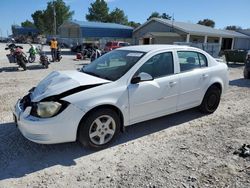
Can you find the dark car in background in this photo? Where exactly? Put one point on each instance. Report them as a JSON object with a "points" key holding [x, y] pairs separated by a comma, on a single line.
{"points": [[247, 66]]}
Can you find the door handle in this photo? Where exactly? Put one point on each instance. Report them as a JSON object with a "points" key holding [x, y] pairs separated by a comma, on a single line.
{"points": [[171, 84]]}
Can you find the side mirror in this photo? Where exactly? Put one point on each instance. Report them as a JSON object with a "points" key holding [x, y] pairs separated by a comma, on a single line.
{"points": [[142, 77]]}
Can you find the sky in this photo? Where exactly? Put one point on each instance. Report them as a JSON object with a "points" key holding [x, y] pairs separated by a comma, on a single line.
{"points": [[223, 12]]}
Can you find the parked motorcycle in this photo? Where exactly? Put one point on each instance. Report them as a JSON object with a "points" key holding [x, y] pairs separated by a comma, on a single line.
{"points": [[32, 52], [58, 54], [17, 55], [44, 60]]}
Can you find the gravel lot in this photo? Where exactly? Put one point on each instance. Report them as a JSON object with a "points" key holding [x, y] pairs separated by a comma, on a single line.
{"points": [[186, 149]]}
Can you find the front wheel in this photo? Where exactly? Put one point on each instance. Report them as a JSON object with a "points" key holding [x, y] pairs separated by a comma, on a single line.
{"points": [[99, 129], [211, 100], [32, 58]]}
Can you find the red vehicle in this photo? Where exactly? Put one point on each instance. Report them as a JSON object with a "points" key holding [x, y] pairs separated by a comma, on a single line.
{"points": [[114, 44]]}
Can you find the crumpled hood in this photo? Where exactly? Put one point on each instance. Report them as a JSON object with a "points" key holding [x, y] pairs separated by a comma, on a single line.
{"points": [[59, 82]]}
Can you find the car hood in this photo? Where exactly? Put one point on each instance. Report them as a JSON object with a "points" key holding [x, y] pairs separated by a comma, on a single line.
{"points": [[63, 83]]}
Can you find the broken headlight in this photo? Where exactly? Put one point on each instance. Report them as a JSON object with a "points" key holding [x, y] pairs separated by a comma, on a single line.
{"points": [[48, 109]]}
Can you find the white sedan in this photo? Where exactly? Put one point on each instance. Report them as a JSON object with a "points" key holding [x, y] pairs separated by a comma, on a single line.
{"points": [[121, 88]]}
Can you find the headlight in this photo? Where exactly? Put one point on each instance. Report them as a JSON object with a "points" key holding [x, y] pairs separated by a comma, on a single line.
{"points": [[47, 109]]}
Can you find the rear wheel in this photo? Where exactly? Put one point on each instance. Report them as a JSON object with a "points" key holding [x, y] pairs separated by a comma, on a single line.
{"points": [[211, 100], [46, 64], [99, 129]]}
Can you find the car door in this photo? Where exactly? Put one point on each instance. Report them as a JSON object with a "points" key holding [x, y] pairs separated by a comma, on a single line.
{"points": [[151, 99], [194, 78]]}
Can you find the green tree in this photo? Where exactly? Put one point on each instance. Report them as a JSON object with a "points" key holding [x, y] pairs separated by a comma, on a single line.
{"points": [[154, 15], [118, 16], [98, 11], [39, 21], [44, 20], [233, 27], [207, 22], [166, 16], [133, 24], [28, 23], [158, 15]]}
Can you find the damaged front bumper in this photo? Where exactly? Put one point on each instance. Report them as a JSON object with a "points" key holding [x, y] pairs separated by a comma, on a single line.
{"points": [[58, 129]]}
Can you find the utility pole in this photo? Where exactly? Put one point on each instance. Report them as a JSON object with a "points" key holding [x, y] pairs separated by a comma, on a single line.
{"points": [[54, 13]]}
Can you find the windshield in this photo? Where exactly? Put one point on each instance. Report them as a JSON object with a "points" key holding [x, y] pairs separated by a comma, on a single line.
{"points": [[113, 65]]}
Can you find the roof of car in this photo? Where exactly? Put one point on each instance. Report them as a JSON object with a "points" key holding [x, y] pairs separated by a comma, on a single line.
{"points": [[148, 48]]}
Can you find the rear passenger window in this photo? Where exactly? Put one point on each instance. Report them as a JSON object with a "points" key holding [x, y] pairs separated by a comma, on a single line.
{"points": [[203, 60], [191, 60]]}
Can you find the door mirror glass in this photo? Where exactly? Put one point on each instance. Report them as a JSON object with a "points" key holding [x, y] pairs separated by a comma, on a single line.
{"points": [[142, 77]]}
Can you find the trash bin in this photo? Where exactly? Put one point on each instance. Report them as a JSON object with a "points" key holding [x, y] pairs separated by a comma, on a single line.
{"points": [[235, 56]]}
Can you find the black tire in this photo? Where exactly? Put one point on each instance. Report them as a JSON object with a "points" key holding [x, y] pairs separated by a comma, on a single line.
{"points": [[88, 125], [31, 59], [23, 65], [246, 74], [211, 100], [46, 64]]}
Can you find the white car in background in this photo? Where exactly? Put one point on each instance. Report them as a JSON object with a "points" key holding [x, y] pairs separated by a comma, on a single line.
{"points": [[121, 88]]}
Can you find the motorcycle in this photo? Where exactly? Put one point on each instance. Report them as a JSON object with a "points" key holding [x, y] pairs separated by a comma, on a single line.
{"points": [[58, 54], [96, 53], [44, 60], [32, 52], [17, 55]]}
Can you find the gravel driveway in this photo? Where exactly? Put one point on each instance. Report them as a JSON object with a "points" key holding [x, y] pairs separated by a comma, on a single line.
{"points": [[187, 149]]}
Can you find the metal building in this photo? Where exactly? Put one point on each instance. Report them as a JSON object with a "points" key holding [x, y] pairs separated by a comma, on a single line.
{"points": [[82, 31], [26, 31]]}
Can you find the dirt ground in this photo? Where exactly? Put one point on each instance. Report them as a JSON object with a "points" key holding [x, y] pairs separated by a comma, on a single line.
{"points": [[187, 149]]}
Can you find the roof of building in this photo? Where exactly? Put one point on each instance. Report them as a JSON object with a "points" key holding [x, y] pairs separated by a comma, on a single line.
{"points": [[99, 29], [100, 25], [245, 31], [195, 29], [163, 34], [19, 30]]}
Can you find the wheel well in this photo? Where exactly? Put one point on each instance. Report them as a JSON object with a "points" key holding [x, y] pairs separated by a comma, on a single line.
{"points": [[218, 85], [117, 110]]}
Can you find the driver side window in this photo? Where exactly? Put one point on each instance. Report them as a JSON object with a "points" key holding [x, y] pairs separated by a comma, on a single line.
{"points": [[159, 65]]}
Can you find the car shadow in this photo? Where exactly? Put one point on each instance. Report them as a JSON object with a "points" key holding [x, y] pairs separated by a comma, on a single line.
{"points": [[10, 69], [35, 67], [30, 66], [240, 82], [19, 156]]}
